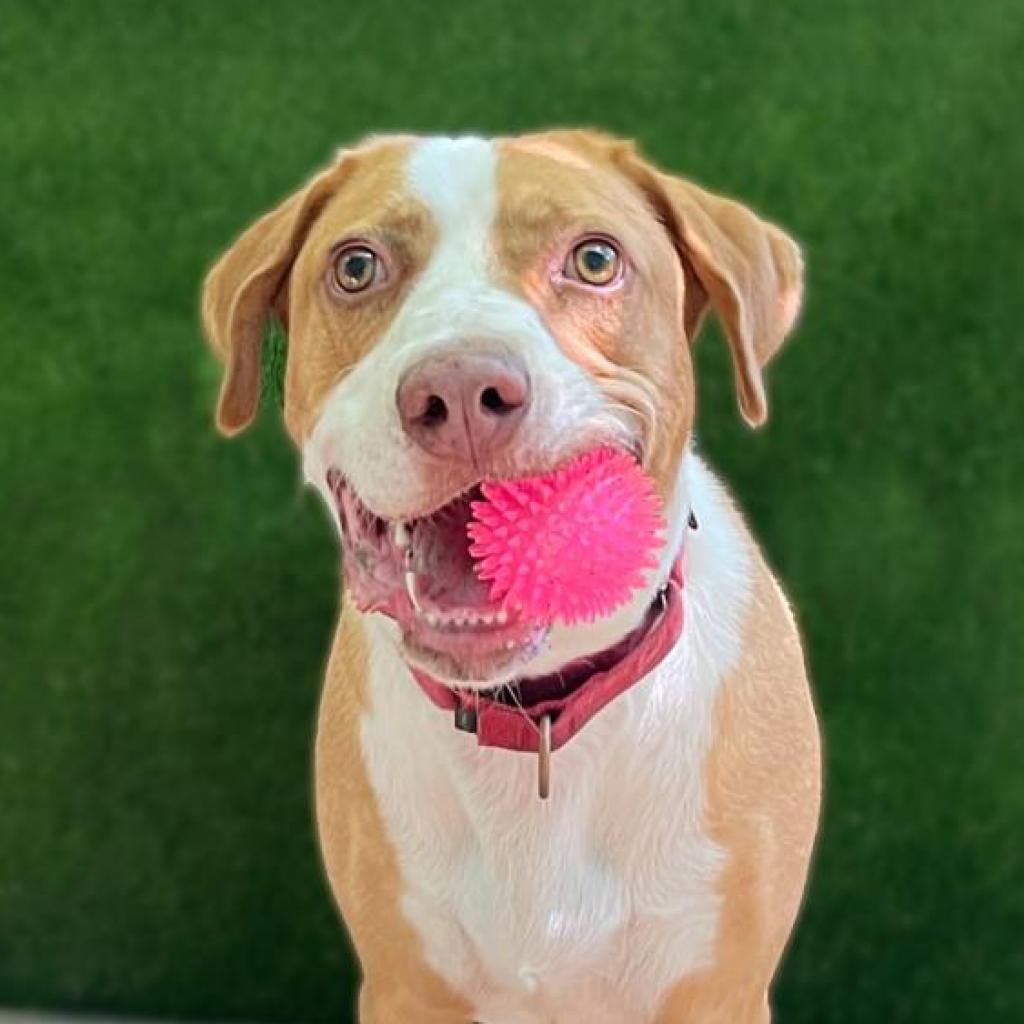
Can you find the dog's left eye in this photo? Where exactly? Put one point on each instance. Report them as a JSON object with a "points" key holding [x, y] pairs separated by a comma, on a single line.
{"points": [[355, 268], [595, 261]]}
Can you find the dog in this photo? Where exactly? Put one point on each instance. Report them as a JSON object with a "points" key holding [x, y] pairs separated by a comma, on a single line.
{"points": [[463, 309]]}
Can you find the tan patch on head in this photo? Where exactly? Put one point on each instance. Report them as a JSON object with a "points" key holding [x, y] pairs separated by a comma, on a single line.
{"points": [[545, 146], [628, 337], [329, 334], [749, 271]]}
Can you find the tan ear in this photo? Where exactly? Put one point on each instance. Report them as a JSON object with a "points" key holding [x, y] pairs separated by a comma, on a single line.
{"points": [[247, 282], [750, 271]]}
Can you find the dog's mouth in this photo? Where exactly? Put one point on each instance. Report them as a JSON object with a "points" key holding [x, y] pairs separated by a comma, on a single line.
{"points": [[421, 574]]}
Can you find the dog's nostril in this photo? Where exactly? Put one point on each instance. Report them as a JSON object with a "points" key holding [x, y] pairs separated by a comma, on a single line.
{"points": [[492, 401], [435, 413]]}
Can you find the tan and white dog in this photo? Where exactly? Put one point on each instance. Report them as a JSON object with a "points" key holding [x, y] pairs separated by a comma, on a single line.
{"points": [[466, 308]]}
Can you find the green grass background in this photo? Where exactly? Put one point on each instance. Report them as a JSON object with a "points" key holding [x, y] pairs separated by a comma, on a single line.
{"points": [[167, 598]]}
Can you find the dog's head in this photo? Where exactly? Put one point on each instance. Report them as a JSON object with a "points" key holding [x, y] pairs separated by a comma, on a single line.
{"points": [[461, 308]]}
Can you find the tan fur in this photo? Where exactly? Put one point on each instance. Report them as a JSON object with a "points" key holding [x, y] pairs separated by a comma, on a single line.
{"points": [[628, 338], [763, 790], [359, 859], [762, 773], [749, 270]]}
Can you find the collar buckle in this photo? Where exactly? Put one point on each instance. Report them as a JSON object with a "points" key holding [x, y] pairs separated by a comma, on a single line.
{"points": [[465, 718]]}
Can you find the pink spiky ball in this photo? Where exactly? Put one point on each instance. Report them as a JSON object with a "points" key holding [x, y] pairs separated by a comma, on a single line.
{"points": [[572, 544]]}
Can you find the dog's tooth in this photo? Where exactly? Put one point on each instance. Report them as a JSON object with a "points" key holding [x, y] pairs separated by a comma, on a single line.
{"points": [[400, 535], [409, 577], [502, 617], [432, 620], [485, 619], [510, 645]]}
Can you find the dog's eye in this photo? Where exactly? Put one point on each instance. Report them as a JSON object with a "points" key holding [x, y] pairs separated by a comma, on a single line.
{"points": [[596, 262], [355, 268]]}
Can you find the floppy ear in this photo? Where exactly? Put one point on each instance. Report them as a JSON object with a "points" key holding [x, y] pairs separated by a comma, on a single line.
{"points": [[750, 271], [249, 281]]}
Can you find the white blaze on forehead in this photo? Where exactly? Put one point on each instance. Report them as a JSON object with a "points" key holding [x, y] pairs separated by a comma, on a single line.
{"points": [[456, 179]]}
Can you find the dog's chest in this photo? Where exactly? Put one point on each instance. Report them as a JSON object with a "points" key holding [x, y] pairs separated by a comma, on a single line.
{"points": [[584, 907]]}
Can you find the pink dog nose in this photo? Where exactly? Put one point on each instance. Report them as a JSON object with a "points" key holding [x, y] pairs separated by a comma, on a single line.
{"points": [[463, 405]]}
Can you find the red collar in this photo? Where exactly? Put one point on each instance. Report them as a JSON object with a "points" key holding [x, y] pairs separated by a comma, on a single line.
{"points": [[498, 724]]}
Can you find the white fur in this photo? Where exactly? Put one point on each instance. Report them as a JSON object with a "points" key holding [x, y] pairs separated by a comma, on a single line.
{"points": [[457, 180], [586, 907]]}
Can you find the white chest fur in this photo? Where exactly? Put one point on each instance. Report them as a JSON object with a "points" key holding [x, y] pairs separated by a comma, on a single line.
{"points": [[587, 906]]}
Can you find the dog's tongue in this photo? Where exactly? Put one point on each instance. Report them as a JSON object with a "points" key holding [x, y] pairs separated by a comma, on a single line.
{"points": [[443, 564]]}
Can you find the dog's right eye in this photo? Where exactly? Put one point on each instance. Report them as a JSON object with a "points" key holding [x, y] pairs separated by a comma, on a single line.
{"points": [[355, 268]]}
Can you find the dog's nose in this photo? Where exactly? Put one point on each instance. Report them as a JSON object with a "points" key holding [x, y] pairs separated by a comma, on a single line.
{"points": [[463, 405]]}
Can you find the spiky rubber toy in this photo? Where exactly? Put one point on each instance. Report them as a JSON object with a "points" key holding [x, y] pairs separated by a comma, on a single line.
{"points": [[570, 545]]}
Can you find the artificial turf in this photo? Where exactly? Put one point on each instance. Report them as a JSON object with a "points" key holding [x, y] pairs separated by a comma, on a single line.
{"points": [[167, 598]]}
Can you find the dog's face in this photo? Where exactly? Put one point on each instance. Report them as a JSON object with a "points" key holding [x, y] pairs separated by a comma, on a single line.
{"points": [[463, 309]]}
